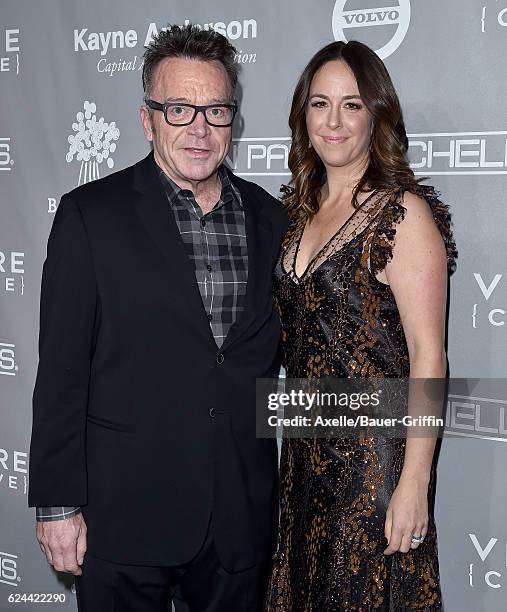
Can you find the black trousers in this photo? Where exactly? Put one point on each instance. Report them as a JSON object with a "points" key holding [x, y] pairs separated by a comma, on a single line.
{"points": [[201, 585]]}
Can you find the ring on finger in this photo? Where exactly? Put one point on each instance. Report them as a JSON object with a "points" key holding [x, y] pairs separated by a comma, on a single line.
{"points": [[417, 539]]}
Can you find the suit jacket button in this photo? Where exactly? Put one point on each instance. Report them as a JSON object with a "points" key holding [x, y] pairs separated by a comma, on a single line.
{"points": [[220, 358]]}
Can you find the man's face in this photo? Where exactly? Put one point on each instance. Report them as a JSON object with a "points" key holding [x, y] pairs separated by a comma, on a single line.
{"points": [[191, 153]]}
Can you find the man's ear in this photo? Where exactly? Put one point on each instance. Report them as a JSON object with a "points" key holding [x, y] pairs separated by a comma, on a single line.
{"points": [[146, 122]]}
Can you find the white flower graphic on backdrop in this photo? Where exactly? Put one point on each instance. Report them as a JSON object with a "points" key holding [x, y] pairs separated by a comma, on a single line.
{"points": [[92, 143]]}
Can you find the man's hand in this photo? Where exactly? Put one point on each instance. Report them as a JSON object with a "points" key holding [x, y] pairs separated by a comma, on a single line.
{"points": [[64, 543]]}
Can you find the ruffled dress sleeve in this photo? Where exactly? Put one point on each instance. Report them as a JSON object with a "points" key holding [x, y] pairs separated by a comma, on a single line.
{"points": [[394, 212]]}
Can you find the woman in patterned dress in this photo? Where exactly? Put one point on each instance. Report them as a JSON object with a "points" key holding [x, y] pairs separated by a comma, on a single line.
{"points": [[361, 289]]}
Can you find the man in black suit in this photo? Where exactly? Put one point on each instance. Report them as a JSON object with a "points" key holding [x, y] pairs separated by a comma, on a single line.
{"points": [[156, 320]]}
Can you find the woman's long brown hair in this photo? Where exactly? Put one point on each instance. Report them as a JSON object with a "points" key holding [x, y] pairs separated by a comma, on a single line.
{"points": [[388, 167]]}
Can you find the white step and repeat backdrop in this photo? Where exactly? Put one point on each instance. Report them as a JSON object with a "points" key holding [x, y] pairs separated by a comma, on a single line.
{"points": [[63, 62]]}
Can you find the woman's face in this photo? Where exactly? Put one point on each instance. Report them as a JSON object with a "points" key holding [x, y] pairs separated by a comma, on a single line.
{"points": [[338, 122]]}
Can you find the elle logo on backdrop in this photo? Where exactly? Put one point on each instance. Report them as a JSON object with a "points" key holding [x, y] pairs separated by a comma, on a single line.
{"points": [[470, 416]]}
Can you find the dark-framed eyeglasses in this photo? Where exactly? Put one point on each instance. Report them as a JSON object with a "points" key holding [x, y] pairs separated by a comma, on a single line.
{"points": [[178, 114]]}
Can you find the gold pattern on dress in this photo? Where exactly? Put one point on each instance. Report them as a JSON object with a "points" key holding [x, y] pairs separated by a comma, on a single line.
{"points": [[339, 320]]}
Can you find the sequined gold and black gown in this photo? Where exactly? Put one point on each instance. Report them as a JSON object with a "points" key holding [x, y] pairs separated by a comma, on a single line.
{"points": [[339, 320]]}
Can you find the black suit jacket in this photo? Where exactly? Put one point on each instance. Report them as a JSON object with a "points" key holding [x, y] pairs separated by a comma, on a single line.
{"points": [[129, 372]]}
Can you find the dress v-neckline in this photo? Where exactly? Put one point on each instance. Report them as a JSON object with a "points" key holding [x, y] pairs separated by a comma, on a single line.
{"points": [[292, 270]]}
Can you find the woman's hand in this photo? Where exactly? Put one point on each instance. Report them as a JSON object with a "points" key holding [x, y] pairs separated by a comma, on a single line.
{"points": [[407, 514]]}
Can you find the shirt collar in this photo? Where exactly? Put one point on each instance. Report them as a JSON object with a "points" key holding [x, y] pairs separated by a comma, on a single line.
{"points": [[226, 196]]}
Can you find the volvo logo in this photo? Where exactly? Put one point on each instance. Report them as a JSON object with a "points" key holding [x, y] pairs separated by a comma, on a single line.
{"points": [[397, 15]]}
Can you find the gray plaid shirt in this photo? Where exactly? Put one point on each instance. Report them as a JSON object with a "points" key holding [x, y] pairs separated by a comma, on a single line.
{"points": [[216, 245]]}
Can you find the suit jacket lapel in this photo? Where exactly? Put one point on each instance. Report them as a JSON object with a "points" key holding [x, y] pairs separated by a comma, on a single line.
{"points": [[158, 219], [259, 238]]}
